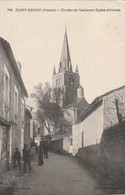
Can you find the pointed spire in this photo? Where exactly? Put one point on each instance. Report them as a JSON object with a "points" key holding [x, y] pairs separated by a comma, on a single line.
{"points": [[54, 71], [70, 67], [65, 55], [76, 70]]}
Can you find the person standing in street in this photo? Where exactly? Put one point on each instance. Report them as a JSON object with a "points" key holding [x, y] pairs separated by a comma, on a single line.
{"points": [[40, 155], [16, 158], [26, 158], [46, 150]]}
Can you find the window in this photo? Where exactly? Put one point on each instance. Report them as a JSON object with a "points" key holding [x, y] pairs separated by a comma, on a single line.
{"points": [[16, 103], [6, 92], [71, 141], [22, 114], [82, 139], [71, 81]]}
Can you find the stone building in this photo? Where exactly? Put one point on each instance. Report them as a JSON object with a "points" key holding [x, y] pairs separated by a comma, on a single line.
{"points": [[12, 103], [105, 112]]}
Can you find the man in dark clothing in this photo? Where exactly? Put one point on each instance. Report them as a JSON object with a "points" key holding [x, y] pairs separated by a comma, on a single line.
{"points": [[26, 158], [46, 150], [40, 155], [16, 158]]}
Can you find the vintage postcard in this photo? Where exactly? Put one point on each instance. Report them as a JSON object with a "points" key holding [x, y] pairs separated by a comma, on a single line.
{"points": [[62, 97]]}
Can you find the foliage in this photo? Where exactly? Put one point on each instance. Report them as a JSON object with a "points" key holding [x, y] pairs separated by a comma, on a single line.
{"points": [[57, 92], [49, 111]]}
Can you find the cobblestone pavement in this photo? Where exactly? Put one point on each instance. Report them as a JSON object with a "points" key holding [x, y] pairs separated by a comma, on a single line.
{"points": [[60, 175]]}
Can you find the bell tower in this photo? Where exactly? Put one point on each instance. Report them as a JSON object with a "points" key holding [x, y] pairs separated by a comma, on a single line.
{"points": [[65, 79]]}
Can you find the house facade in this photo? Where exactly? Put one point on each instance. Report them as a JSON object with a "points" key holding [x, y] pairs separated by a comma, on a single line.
{"points": [[12, 102]]}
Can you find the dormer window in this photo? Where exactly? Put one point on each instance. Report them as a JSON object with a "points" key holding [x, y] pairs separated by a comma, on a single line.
{"points": [[71, 81]]}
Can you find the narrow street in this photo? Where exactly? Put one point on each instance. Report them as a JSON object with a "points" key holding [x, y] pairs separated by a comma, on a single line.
{"points": [[60, 175]]}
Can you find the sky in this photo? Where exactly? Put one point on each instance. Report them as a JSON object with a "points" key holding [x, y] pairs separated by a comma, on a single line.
{"points": [[96, 41]]}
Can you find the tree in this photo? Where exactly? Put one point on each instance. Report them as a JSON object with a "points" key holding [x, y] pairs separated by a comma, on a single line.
{"points": [[50, 111], [58, 95]]}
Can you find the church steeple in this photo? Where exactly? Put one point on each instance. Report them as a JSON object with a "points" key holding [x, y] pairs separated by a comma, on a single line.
{"points": [[65, 59], [65, 78]]}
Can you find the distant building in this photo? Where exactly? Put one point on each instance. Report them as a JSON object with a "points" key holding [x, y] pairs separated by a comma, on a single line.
{"points": [[12, 104]]}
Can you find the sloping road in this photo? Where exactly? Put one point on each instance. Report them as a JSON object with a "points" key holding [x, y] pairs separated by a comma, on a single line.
{"points": [[60, 175]]}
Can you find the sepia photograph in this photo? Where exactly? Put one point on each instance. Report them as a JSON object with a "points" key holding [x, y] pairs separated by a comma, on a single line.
{"points": [[62, 97]]}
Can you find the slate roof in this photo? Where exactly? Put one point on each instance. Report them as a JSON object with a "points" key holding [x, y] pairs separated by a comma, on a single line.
{"points": [[74, 102]]}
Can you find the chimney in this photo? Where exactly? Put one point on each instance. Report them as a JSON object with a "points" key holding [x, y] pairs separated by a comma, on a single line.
{"points": [[19, 66]]}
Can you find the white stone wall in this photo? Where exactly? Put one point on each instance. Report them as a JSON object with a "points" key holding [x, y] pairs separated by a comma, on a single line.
{"points": [[110, 113], [92, 128], [105, 116], [77, 137], [67, 144]]}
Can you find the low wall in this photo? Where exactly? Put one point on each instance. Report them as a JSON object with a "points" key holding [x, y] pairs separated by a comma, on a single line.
{"points": [[108, 157], [90, 155], [113, 149]]}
